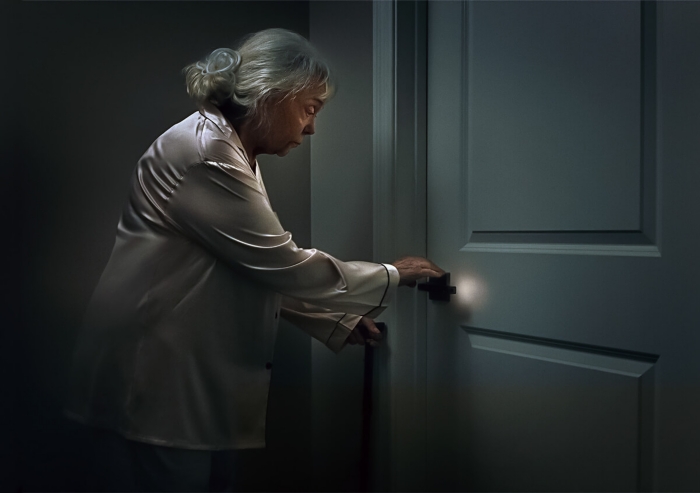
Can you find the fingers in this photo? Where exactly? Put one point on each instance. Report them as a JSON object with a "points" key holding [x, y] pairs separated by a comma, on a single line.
{"points": [[355, 337], [366, 331], [433, 272], [437, 270], [372, 329], [412, 268], [429, 269]]}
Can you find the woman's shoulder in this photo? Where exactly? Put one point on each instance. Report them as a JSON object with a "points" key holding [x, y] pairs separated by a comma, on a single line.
{"points": [[177, 146], [194, 140], [182, 129]]}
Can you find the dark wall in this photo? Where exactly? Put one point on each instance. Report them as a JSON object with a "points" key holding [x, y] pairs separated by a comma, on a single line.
{"points": [[99, 82]]}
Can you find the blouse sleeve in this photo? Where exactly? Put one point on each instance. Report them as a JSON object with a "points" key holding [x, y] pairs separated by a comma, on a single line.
{"points": [[329, 327], [223, 208]]}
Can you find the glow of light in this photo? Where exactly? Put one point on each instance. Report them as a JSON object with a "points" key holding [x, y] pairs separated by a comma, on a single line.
{"points": [[471, 292]]}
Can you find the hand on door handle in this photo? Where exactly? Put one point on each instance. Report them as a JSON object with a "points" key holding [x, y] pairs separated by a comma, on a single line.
{"points": [[412, 268], [438, 288]]}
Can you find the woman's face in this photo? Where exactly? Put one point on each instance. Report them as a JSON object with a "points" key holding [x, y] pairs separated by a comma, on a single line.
{"points": [[292, 119]]}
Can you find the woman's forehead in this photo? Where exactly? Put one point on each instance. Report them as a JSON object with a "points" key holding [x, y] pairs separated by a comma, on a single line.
{"points": [[317, 93]]}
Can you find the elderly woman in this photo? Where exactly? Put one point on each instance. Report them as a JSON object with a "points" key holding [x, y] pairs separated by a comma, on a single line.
{"points": [[176, 351]]}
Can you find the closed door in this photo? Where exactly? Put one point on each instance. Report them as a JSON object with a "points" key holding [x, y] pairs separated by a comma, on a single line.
{"points": [[563, 155]]}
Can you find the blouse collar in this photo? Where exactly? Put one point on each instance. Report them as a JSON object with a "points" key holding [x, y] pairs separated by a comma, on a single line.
{"points": [[214, 114], [211, 112]]}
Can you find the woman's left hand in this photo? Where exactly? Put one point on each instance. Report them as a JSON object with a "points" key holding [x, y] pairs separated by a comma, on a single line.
{"points": [[365, 332]]}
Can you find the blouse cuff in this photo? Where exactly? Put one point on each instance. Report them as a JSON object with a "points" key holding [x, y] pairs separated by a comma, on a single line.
{"points": [[394, 278], [392, 283], [342, 330]]}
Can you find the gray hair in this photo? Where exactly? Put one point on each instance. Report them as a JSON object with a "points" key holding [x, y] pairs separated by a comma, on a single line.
{"points": [[268, 66]]}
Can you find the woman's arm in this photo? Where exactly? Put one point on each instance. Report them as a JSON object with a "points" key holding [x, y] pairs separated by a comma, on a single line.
{"points": [[222, 207], [333, 329]]}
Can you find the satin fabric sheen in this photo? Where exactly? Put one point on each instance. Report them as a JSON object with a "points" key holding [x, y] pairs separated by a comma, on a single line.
{"points": [[177, 341]]}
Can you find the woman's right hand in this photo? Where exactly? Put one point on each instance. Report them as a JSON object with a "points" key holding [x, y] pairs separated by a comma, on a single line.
{"points": [[413, 268]]}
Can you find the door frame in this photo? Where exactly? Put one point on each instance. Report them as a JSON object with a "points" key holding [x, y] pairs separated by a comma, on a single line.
{"points": [[399, 427]]}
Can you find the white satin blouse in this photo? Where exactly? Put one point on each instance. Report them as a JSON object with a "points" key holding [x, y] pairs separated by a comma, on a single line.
{"points": [[177, 342]]}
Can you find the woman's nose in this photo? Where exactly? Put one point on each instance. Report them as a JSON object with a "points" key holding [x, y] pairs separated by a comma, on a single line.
{"points": [[310, 127]]}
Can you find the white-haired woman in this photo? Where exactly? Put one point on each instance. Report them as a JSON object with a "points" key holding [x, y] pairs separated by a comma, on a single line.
{"points": [[176, 351]]}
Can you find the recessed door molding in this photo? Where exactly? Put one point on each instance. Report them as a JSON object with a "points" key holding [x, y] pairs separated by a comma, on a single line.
{"points": [[636, 368], [645, 240]]}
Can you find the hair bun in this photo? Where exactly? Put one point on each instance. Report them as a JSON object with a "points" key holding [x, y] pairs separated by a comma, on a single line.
{"points": [[222, 60]]}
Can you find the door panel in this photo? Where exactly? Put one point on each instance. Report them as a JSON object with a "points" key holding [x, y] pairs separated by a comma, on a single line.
{"points": [[553, 415], [558, 160], [553, 122]]}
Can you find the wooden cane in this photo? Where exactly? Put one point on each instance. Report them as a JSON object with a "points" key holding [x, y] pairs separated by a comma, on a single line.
{"points": [[365, 443]]}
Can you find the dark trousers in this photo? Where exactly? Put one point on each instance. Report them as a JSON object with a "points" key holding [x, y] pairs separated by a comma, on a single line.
{"points": [[118, 464]]}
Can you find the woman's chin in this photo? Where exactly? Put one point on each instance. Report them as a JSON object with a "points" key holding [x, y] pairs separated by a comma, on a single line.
{"points": [[285, 150]]}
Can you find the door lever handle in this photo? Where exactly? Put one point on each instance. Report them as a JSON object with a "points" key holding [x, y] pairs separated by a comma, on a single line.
{"points": [[438, 288]]}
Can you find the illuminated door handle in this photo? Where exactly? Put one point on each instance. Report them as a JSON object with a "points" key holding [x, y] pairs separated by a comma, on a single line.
{"points": [[438, 288]]}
